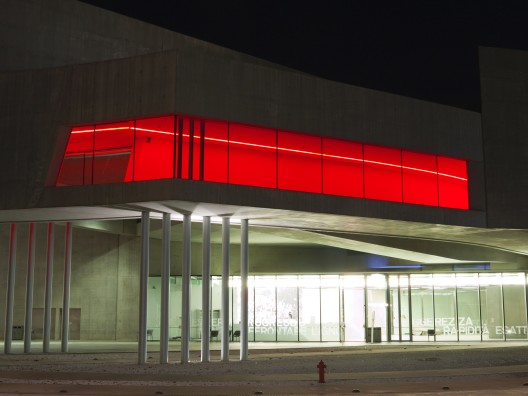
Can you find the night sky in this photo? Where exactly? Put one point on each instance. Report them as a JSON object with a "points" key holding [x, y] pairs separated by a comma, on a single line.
{"points": [[425, 49]]}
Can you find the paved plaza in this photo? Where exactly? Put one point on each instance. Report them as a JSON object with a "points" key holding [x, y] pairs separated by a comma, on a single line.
{"points": [[433, 368]]}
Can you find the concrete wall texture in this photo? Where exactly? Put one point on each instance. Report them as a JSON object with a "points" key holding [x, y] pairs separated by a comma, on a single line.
{"points": [[504, 86], [105, 274], [200, 79], [104, 281], [39, 34]]}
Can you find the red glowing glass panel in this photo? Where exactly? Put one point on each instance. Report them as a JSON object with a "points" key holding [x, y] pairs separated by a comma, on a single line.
{"points": [[215, 151], [186, 125], [189, 149], [76, 168], [196, 149], [252, 156], [383, 179], [154, 148], [113, 152], [453, 183], [420, 182], [300, 162], [342, 168]]}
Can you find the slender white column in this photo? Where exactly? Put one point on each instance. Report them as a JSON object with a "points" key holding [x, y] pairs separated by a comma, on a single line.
{"points": [[206, 288], [30, 279], [186, 290], [165, 288], [10, 298], [143, 287], [66, 289], [244, 269], [225, 289], [48, 291]]}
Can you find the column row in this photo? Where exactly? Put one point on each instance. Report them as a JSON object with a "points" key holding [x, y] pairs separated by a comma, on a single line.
{"points": [[28, 321], [186, 296]]}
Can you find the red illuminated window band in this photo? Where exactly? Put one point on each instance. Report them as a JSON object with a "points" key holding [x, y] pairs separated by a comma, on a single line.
{"points": [[241, 154], [278, 148]]}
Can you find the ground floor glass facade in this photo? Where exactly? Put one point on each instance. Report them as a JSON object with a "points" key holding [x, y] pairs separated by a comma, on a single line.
{"points": [[358, 308]]}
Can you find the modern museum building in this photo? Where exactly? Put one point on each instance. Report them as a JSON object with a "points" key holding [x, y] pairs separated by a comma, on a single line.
{"points": [[160, 189]]}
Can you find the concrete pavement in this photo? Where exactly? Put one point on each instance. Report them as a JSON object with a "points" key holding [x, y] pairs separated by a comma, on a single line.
{"points": [[480, 368]]}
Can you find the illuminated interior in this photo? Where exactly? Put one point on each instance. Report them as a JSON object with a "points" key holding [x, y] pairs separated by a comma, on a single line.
{"points": [[399, 307], [220, 151]]}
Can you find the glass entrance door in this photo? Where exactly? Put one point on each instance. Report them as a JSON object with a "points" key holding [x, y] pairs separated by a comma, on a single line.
{"points": [[352, 308], [377, 323], [399, 308]]}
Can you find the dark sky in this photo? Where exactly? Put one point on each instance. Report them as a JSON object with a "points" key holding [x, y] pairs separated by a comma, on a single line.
{"points": [[426, 49]]}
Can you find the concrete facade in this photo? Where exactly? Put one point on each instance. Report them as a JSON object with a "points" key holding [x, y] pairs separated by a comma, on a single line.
{"points": [[203, 81], [504, 86], [66, 63], [104, 283]]}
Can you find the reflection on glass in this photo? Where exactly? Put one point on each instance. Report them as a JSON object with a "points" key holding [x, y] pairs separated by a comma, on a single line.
{"points": [[377, 307], [309, 309], [353, 307], [469, 328], [196, 308], [446, 321], [265, 309], [154, 148], [287, 309], [514, 290], [491, 306], [216, 305], [251, 308], [399, 304], [405, 317], [332, 308], [113, 145], [77, 163], [422, 306], [330, 314]]}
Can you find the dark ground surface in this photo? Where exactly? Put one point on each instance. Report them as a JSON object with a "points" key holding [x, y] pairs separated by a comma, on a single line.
{"points": [[370, 369]]}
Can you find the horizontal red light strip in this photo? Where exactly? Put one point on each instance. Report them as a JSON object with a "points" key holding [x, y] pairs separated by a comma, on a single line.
{"points": [[454, 177], [101, 129], [250, 144], [153, 131]]}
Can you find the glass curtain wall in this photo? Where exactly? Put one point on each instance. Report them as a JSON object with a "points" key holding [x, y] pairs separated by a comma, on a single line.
{"points": [[491, 307], [353, 308], [377, 320], [287, 308], [265, 309], [469, 328], [445, 307], [399, 305], [358, 308], [330, 308], [309, 308], [514, 297], [193, 148], [422, 307]]}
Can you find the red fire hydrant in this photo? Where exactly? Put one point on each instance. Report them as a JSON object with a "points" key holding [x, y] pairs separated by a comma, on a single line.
{"points": [[321, 366]]}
